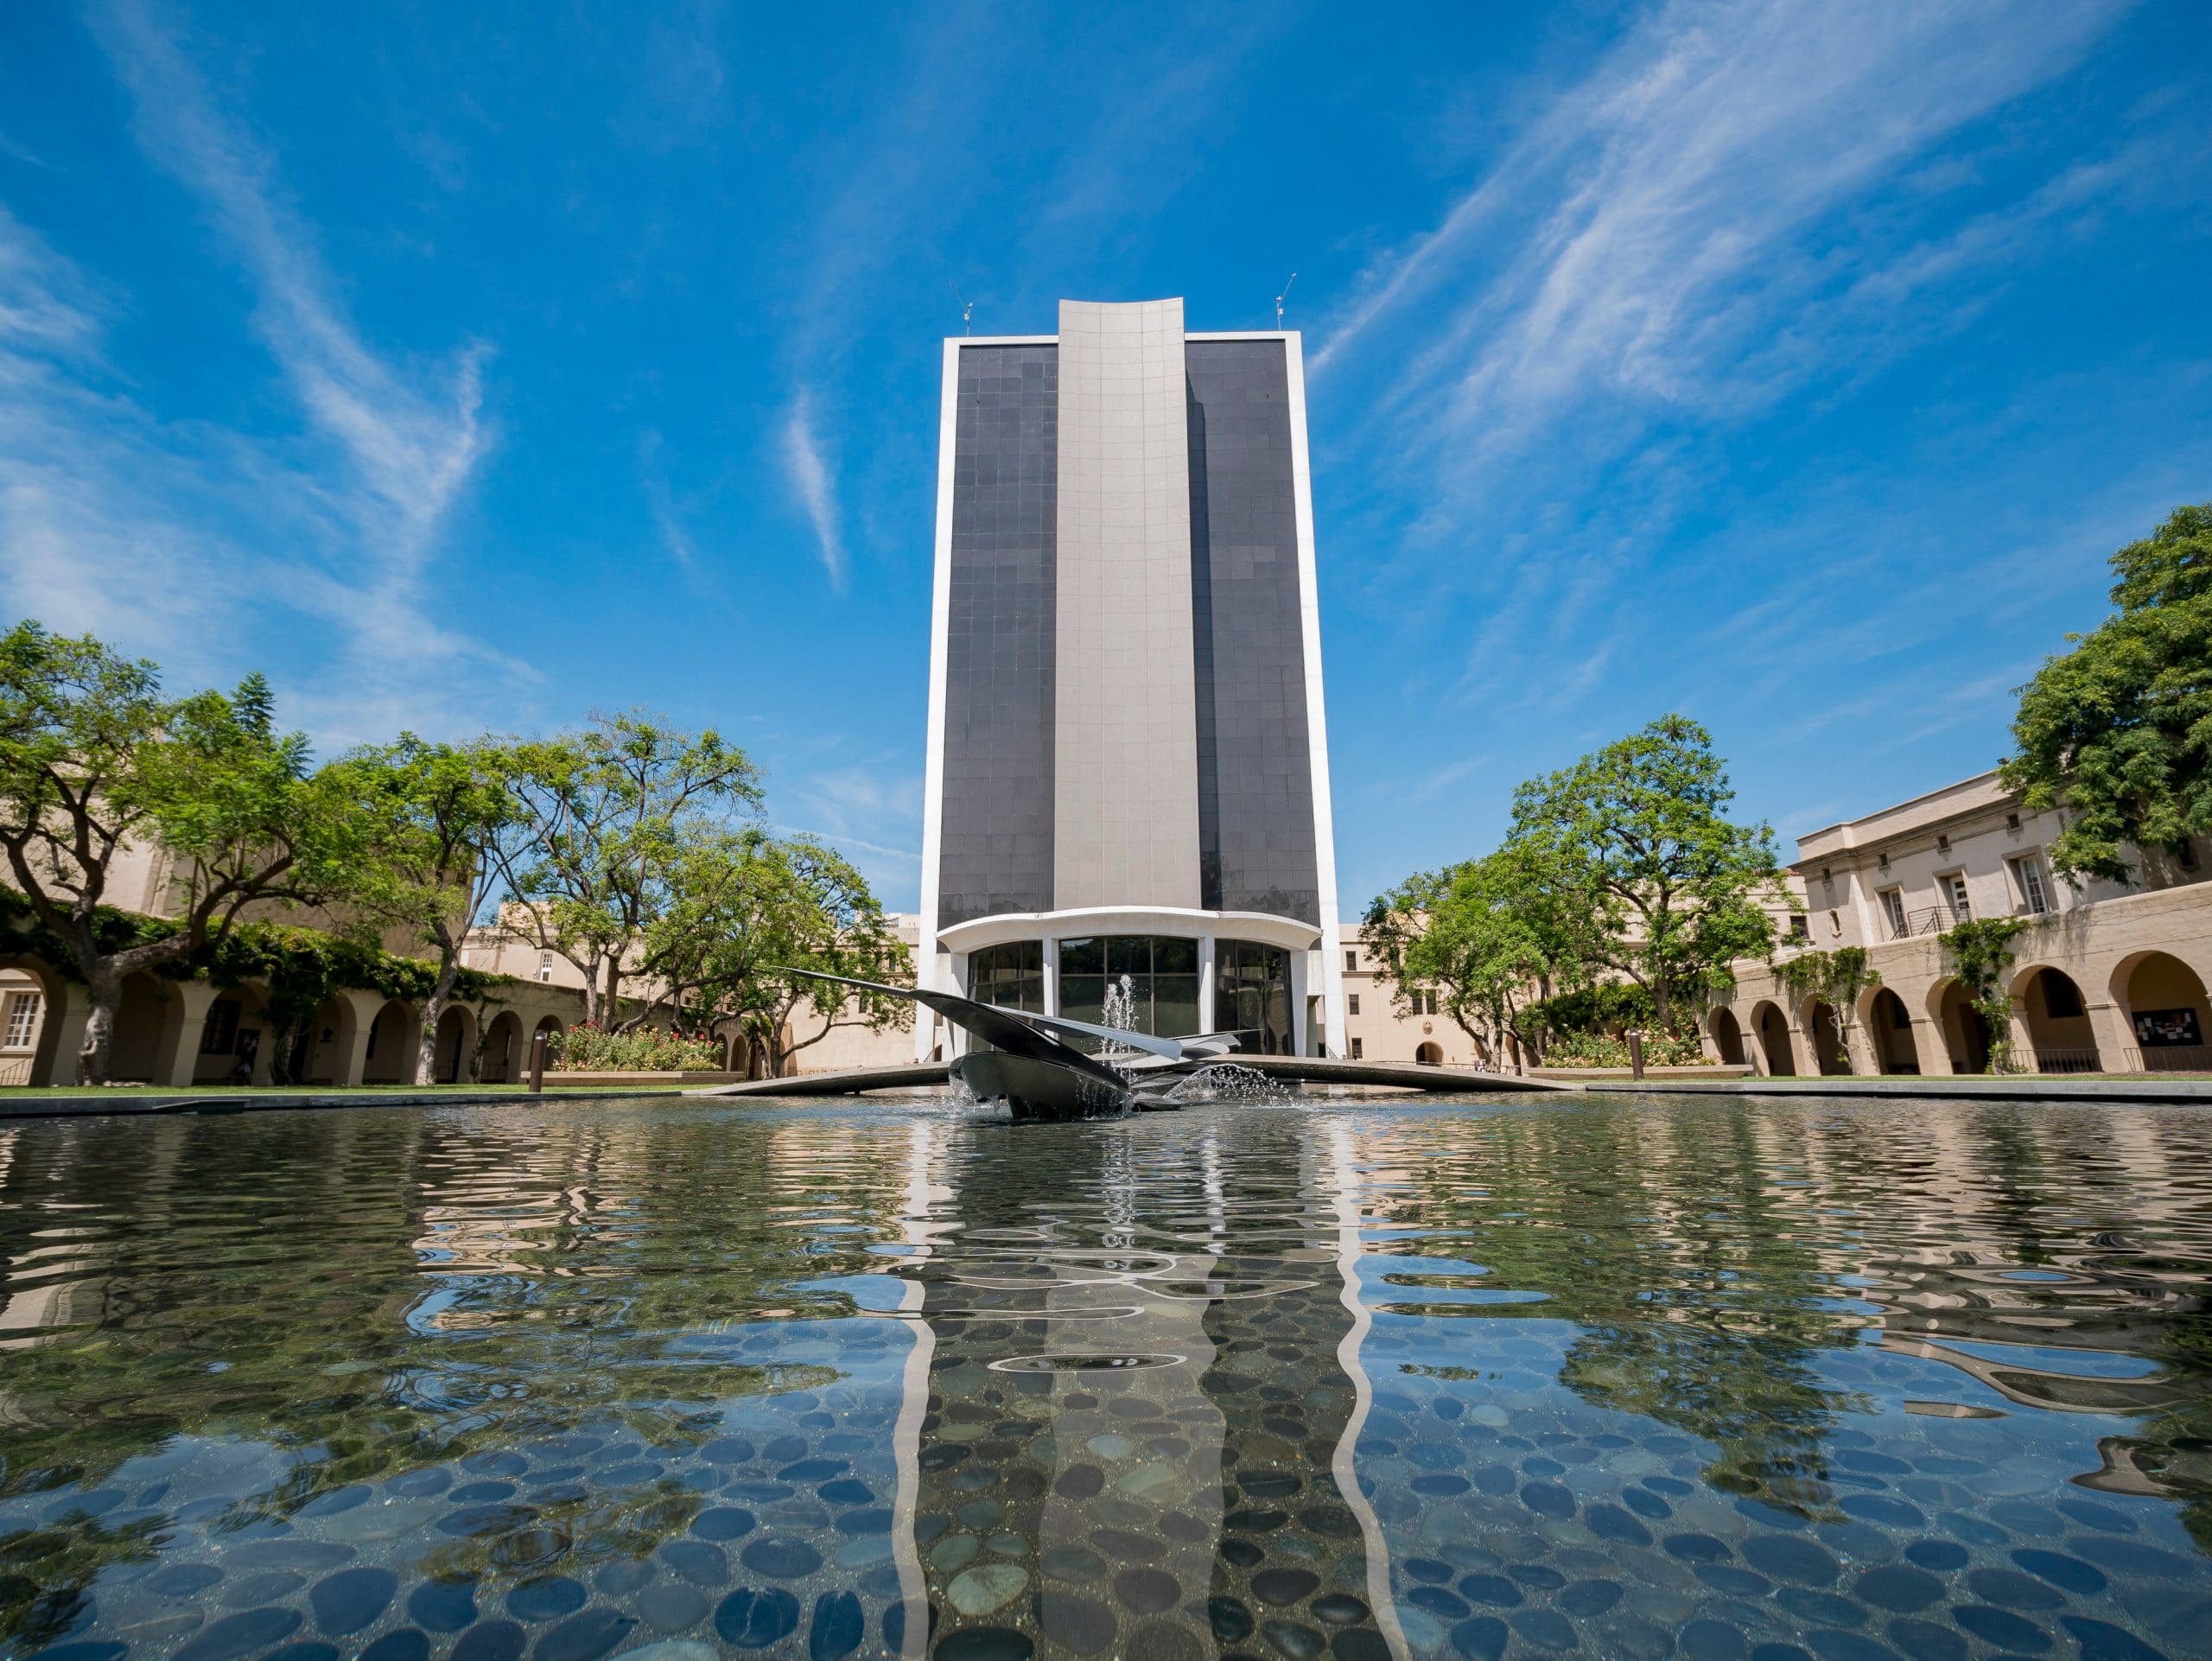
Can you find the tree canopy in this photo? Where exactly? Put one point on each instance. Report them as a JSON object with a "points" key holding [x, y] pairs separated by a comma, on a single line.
{"points": [[607, 816], [1624, 865], [1634, 845], [2118, 731], [629, 846], [435, 816], [97, 760]]}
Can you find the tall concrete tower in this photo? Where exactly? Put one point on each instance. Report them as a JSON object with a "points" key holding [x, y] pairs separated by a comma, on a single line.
{"points": [[1128, 774]]}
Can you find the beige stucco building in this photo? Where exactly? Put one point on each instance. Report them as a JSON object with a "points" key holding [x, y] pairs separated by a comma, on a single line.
{"points": [[2104, 977], [176, 1032]]}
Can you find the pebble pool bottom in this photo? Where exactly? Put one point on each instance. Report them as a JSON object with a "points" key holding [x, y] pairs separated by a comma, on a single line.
{"points": [[1730, 1379]]}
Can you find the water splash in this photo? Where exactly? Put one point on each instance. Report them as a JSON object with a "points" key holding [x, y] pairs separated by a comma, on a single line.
{"points": [[1227, 1081]]}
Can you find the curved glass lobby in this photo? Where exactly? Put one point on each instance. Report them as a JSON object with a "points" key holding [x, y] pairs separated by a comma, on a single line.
{"points": [[1172, 985]]}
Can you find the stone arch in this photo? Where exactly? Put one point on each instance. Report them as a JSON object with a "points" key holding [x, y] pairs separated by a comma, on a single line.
{"points": [[1771, 1028], [2163, 999], [1887, 1024], [40, 1061], [456, 1037], [232, 1044], [2055, 1012], [148, 1022], [503, 1049], [1727, 1035], [549, 1026], [393, 1036], [1823, 1035], [1428, 1055], [328, 1044], [1959, 1025]]}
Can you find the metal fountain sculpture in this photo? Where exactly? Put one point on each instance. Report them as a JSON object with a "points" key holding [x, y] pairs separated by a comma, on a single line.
{"points": [[1034, 1068]]}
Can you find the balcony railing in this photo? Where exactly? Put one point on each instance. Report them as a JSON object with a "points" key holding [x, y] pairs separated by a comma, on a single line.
{"points": [[1932, 920]]}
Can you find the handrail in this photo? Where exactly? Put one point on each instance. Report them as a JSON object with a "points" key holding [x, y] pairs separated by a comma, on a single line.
{"points": [[1929, 919]]}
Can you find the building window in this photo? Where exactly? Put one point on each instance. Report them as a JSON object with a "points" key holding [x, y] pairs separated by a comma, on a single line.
{"points": [[545, 966], [23, 1019], [1351, 1003], [1009, 976], [1424, 1003], [1893, 908], [1954, 890], [1352, 962], [1251, 996], [1156, 977], [1799, 929], [1835, 922], [1358, 1050], [221, 1035], [2185, 853], [2033, 899]]}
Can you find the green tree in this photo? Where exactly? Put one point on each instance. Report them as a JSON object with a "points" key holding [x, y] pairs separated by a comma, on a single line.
{"points": [[753, 914], [1477, 934], [437, 814], [98, 766], [2119, 730], [605, 815], [1634, 845]]}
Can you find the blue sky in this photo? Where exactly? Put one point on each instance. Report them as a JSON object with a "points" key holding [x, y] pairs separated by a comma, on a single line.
{"points": [[1792, 365]]}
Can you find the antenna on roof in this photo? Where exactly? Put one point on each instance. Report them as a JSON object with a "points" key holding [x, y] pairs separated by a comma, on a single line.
{"points": [[967, 307], [1279, 299]]}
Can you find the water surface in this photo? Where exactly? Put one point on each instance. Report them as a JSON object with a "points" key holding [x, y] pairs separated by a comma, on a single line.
{"points": [[1737, 1380]]}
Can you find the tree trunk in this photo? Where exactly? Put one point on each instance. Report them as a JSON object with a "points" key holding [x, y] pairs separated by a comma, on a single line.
{"points": [[610, 999], [104, 987], [434, 1009]]}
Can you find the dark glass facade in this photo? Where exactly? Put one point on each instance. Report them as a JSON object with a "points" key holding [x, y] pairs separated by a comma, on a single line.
{"points": [[1251, 996], [1257, 845], [1162, 972], [995, 852], [1256, 780], [1010, 977]]}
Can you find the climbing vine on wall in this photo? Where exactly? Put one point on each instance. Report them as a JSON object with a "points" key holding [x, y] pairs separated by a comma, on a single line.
{"points": [[300, 966], [1979, 951], [1837, 979]]}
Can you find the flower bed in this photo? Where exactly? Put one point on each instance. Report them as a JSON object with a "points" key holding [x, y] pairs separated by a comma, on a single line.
{"points": [[643, 1049], [1604, 1050]]}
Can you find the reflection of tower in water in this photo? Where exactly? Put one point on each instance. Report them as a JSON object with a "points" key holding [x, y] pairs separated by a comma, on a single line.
{"points": [[1126, 1447]]}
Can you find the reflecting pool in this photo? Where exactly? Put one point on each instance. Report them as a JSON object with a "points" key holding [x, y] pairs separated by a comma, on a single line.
{"points": [[1735, 1380]]}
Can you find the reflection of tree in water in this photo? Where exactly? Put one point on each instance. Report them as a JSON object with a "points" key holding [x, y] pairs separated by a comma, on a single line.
{"points": [[1698, 1303], [370, 1294], [1710, 1255]]}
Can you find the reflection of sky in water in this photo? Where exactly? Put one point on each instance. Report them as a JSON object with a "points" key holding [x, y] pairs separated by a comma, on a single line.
{"points": [[1756, 1382]]}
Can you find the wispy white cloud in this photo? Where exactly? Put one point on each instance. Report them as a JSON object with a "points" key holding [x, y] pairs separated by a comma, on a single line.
{"points": [[149, 528], [1729, 209], [815, 485], [871, 808], [674, 537], [1436, 783]]}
